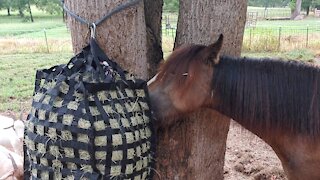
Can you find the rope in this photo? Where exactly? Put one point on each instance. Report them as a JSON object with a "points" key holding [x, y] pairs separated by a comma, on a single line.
{"points": [[100, 21]]}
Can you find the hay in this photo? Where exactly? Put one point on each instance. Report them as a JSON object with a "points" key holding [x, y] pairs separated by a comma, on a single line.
{"points": [[64, 87], [114, 124], [101, 155], [52, 134], [131, 153], [99, 125], [117, 140], [54, 151], [86, 168], [37, 97], [115, 171], [72, 166], [66, 136], [73, 105], [83, 138], [130, 137], [125, 122], [41, 148], [46, 99], [40, 130], [129, 169], [117, 156], [67, 119], [69, 152], [44, 162], [44, 175], [57, 102], [56, 164], [100, 141], [53, 117], [85, 155]]}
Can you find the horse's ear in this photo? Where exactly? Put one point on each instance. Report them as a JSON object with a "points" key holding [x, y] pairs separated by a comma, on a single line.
{"points": [[212, 52]]}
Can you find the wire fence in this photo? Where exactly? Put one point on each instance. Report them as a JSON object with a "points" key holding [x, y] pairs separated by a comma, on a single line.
{"points": [[264, 39], [256, 38], [56, 39]]}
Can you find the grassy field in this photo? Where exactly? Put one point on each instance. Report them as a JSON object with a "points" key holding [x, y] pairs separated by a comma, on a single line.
{"points": [[24, 49], [18, 75]]}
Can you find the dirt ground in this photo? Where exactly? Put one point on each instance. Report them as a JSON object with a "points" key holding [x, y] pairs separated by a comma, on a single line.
{"points": [[250, 158]]}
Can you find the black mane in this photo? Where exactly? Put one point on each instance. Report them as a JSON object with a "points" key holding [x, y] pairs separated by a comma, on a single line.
{"points": [[269, 93]]}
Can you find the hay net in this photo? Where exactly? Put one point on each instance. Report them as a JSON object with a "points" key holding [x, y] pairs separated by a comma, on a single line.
{"points": [[89, 120]]}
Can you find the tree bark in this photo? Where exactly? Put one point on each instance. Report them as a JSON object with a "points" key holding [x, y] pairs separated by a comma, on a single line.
{"points": [[195, 148], [123, 37], [297, 10], [153, 16]]}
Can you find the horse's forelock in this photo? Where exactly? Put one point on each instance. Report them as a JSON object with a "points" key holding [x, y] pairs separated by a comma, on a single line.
{"points": [[179, 61]]}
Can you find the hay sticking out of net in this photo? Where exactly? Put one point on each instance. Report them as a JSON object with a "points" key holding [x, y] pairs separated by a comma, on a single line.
{"points": [[85, 155], [81, 127], [100, 141]]}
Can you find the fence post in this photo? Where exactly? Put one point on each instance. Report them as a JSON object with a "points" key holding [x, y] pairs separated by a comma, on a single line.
{"points": [[45, 36], [279, 45], [307, 42], [250, 38]]}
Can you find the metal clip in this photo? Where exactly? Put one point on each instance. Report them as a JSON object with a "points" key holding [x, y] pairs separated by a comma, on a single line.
{"points": [[93, 28]]}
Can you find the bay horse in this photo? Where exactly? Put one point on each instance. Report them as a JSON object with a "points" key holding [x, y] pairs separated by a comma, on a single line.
{"points": [[277, 100]]}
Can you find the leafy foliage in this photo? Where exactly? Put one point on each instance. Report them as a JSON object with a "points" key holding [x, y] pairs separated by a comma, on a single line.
{"points": [[50, 6], [5, 4], [171, 5]]}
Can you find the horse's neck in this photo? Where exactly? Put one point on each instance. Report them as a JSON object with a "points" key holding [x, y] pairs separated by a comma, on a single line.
{"points": [[269, 94]]}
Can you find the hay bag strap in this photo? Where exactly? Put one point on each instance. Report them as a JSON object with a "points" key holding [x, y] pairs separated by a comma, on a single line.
{"points": [[90, 119]]}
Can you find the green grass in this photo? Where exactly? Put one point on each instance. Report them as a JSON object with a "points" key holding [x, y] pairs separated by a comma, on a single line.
{"points": [[309, 21], [18, 75], [305, 55]]}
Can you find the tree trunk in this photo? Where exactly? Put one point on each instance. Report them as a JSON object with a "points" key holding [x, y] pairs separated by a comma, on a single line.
{"points": [[123, 37], [8, 11], [195, 148], [153, 15], [21, 12], [297, 10], [308, 10], [30, 12]]}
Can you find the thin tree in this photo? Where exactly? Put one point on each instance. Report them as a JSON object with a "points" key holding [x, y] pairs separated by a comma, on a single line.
{"points": [[30, 12], [195, 148]]}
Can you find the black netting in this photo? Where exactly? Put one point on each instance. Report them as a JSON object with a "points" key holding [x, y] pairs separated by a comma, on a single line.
{"points": [[89, 120]]}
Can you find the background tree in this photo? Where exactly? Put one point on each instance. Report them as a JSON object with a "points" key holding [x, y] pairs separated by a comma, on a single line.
{"points": [[295, 8], [50, 6], [21, 6], [195, 148], [306, 5], [6, 4]]}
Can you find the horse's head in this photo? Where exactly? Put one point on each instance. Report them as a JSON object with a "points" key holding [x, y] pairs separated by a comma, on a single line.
{"points": [[183, 83]]}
